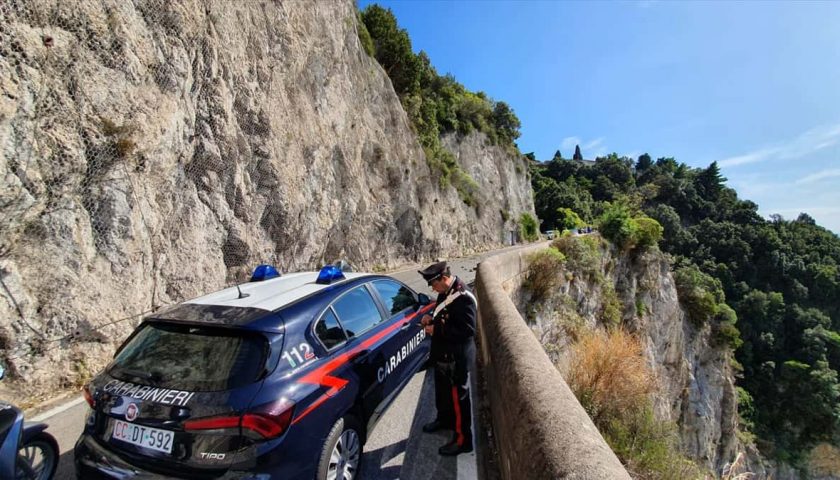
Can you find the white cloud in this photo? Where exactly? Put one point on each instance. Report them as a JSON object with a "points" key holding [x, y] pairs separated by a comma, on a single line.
{"points": [[589, 149], [597, 143], [821, 175], [569, 143], [752, 157], [805, 144]]}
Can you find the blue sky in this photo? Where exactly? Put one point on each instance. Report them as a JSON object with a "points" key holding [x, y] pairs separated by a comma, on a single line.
{"points": [[754, 86]]}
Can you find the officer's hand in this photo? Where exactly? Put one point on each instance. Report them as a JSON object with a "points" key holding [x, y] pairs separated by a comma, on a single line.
{"points": [[430, 329], [426, 320]]}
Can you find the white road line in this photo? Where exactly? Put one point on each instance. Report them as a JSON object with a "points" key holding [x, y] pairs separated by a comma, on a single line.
{"points": [[57, 410]]}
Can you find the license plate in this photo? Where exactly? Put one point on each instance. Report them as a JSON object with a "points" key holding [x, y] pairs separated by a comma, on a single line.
{"points": [[147, 437]]}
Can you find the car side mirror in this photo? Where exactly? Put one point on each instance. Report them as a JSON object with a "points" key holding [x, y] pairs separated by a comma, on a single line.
{"points": [[423, 300]]}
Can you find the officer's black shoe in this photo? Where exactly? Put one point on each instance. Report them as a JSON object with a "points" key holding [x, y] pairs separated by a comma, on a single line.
{"points": [[452, 448], [434, 426]]}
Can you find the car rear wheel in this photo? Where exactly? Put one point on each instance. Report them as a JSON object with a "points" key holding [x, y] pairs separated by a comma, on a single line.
{"points": [[341, 456], [37, 459]]}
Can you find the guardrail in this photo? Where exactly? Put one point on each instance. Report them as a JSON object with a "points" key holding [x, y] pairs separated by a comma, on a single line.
{"points": [[541, 430]]}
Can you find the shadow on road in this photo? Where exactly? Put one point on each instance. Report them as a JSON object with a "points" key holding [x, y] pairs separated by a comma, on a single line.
{"points": [[422, 461], [66, 470]]}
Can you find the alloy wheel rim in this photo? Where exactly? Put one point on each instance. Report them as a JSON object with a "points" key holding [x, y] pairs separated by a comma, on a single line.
{"points": [[344, 459], [40, 462]]}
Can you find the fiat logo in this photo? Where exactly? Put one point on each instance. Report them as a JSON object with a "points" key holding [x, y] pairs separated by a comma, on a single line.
{"points": [[131, 412]]}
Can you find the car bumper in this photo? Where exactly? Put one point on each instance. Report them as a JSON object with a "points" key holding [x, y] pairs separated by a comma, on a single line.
{"points": [[95, 462]]}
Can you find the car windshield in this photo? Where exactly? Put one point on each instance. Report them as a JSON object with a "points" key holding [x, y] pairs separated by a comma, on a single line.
{"points": [[191, 358]]}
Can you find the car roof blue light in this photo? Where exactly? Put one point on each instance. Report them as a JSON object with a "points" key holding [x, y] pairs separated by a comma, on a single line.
{"points": [[264, 272], [328, 274]]}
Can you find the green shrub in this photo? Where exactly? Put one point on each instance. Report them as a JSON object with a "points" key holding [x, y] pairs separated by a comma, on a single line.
{"points": [[648, 447], [618, 227], [544, 273], [640, 308], [649, 232], [610, 313], [746, 409], [528, 227], [583, 253], [364, 37], [724, 330], [467, 187], [698, 292], [567, 219]]}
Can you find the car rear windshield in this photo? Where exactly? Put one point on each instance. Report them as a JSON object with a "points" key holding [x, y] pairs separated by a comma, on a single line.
{"points": [[191, 358]]}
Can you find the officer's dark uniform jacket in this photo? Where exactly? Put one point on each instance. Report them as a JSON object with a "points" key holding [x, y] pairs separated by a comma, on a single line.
{"points": [[452, 351], [455, 324]]}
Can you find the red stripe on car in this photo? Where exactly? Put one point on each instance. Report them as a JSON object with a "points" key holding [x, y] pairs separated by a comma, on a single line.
{"points": [[321, 375]]}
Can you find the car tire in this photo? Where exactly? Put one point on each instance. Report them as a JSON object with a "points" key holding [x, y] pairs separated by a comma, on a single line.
{"points": [[37, 459], [341, 456]]}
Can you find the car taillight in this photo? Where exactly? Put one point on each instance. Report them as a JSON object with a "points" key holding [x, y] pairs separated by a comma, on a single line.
{"points": [[268, 421], [89, 396]]}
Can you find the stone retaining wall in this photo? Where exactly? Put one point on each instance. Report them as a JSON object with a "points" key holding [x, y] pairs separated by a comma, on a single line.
{"points": [[541, 430]]}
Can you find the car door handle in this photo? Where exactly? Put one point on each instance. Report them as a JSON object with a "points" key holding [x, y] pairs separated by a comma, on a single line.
{"points": [[359, 356], [405, 326]]}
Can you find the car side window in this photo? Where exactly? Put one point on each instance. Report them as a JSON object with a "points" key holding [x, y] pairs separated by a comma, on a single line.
{"points": [[395, 296], [329, 331], [357, 311]]}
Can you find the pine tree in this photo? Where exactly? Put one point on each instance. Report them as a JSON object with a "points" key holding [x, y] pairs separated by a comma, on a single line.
{"points": [[643, 163], [577, 156], [709, 182]]}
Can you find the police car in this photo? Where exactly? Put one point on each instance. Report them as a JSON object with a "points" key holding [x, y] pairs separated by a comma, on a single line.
{"points": [[280, 377]]}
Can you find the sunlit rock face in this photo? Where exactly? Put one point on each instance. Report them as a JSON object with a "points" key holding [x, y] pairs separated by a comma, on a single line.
{"points": [[695, 384], [151, 151]]}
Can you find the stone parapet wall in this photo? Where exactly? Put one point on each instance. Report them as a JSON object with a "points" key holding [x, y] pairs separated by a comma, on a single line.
{"points": [[541, 430]]}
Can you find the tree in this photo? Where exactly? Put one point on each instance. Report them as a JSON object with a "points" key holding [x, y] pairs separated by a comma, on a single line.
{"points": [[709, 182], [528, 227], [577, 155], [643, 163], [506, 123], [558, 155], [567, 219], [393, 48]]}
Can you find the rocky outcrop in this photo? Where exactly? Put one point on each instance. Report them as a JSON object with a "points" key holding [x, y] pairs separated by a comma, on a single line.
{"points": [[695, 381], [153, 150]]}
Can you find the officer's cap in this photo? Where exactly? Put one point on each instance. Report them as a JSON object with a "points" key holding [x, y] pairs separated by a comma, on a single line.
{"points": [[433, 271]]}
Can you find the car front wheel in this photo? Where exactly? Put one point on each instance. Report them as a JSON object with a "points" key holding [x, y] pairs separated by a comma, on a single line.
{"points": [[341, 456]]}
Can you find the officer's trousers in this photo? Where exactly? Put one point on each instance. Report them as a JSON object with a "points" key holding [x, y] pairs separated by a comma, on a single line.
{"points": [[452, 392]]}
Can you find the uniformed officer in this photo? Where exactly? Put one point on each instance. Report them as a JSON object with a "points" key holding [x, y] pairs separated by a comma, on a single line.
{"points": [[452, 327]]}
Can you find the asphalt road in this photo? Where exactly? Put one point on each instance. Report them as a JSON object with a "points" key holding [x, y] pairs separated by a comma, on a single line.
{"points": [[396, 449]]}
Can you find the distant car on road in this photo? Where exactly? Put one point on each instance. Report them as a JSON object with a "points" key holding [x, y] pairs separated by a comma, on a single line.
{"points": [[280, 377], [550, 234]]}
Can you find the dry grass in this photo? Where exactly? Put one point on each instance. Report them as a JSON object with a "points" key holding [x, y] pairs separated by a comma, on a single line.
{"points": [[544, 274], [609, 375], [824, 461], [612, 381]]}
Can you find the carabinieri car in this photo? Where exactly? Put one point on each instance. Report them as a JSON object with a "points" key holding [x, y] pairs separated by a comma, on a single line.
{"points": [[280, 377]]}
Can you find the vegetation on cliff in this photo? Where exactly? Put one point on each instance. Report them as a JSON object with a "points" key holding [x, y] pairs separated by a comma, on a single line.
{"points": [[436, 104], [609, 375], [780, 278]]}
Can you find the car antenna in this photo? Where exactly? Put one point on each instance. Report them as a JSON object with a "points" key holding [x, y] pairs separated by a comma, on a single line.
{"points": [[241, 295]]}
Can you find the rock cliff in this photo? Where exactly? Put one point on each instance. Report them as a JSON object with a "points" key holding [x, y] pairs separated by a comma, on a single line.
{"points": [[151, 151], [694, 378]]}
